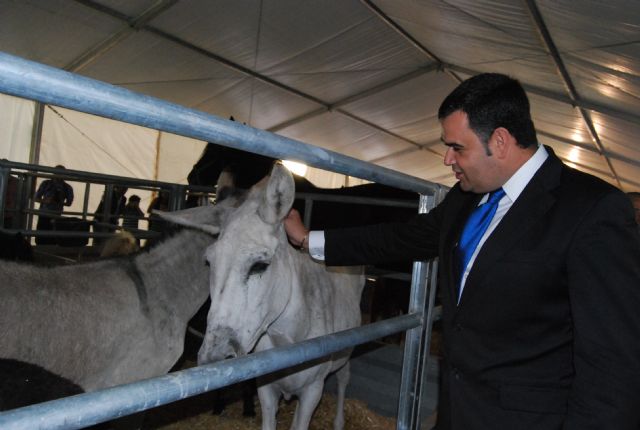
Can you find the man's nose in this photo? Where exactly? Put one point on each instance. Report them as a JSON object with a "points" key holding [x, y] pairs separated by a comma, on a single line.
{"points": [[449, 157]]}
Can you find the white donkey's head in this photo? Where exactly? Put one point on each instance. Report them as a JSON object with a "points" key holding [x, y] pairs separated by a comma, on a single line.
{"points": [[249, 265]]}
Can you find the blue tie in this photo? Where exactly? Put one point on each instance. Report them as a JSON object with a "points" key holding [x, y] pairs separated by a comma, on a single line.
{"points": [[475, 227]]}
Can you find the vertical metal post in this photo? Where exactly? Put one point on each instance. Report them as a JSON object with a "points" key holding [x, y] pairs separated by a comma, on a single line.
{"points": [[177, 197], [4, 185], [85, 201], [30, 189], [36, 133], [22, 199], [417, 340], [106, 207], [308, 207]]}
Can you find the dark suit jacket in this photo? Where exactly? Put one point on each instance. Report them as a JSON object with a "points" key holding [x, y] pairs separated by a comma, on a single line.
{"points": [[547, 333]]}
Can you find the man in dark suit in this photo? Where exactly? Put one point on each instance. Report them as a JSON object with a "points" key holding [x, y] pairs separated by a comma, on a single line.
{"points": [[541, 318]]}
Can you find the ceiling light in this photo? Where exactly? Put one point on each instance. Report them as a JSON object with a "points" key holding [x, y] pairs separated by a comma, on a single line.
{"points": [[295, 167], [574, 155]]}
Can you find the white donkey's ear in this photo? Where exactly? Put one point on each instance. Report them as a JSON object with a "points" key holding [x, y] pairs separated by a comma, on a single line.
{"points": [[205, 218], [278, 195]]}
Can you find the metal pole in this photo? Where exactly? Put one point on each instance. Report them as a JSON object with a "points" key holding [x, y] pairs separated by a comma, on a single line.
{"points": [[409, 401], [91, 408], [28, 79], [308, 208], [4, 185], [85, 201], [22, 199], [36, 134]]}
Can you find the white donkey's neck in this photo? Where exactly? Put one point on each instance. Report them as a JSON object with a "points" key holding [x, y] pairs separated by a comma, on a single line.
{"points": [[291, 325]]}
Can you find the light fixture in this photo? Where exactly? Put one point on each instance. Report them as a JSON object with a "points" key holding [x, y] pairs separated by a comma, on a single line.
{"points": [[295, 167], [574, 155]]}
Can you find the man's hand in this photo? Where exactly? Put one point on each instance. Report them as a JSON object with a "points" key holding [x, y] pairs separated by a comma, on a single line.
{"points": [[295, 228]]}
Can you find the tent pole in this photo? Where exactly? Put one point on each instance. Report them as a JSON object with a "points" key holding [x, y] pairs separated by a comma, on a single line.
{"points": [[36, 134]]}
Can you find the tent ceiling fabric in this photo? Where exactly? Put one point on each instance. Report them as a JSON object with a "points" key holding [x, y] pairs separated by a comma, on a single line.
{"points": [[364, 78]]}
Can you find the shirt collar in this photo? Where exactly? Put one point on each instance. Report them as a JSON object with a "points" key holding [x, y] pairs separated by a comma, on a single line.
{"points": [[516, 183]]}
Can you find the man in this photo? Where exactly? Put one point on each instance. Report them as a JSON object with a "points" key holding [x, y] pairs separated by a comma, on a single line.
{"points": [[52, 194], [541, 318]]}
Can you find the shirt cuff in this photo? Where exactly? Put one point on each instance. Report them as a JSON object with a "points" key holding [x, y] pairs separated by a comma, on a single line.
{"points": [[316, 245]]}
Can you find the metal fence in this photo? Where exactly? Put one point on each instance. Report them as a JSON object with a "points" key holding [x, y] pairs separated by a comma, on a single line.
{"points": [[19, 215], [26, 79]]}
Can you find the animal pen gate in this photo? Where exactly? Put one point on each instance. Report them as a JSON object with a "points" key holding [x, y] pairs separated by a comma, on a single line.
{"points": [[44, 84]]}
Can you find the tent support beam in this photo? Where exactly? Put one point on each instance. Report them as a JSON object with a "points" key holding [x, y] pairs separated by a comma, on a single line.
{"points": [[409, 38], [334, 107], [589, 148], [133, 25], [563, 98], [355, 97], [36, 134], [551, 48]]}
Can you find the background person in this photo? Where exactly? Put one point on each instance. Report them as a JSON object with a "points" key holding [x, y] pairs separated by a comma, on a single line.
{"points": [[52, 194], [132, 214]]}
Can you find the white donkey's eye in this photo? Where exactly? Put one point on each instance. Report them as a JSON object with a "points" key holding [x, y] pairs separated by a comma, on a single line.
{"points": [[258, 268]]}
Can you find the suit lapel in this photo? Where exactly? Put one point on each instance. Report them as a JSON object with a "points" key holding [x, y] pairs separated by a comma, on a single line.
{"points": [[534, 201], [450, 264]]}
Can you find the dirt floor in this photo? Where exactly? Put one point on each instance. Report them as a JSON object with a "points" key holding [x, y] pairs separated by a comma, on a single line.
{"points": [[195, 414]]}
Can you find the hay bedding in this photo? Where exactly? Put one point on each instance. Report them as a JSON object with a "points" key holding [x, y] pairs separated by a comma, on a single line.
{"points": [[195, 414]]}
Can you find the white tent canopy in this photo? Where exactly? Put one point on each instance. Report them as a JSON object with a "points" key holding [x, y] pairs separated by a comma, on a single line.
{"points": [[363, 78]]}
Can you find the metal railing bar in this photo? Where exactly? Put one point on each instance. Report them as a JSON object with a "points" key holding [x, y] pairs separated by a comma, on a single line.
{"points": [[99, 178], [360, 200]]}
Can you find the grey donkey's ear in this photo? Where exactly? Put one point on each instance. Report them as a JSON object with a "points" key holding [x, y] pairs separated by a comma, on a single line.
{"points": [[205, 218], [278, 195]]}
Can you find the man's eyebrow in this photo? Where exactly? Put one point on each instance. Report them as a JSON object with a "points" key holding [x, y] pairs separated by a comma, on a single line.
{"points": [[453, 144]]}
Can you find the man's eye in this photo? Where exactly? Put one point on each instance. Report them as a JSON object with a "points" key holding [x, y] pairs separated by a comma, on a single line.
{"points": [[258, 268]]}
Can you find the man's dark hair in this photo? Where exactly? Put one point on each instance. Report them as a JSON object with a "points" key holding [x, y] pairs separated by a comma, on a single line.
{"points": [[492, 100]]}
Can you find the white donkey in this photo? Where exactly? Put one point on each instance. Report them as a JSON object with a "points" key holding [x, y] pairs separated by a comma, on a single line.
{"points": [[266, 294]]}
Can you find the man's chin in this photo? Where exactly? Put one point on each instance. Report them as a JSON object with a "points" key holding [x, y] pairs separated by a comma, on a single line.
{"points": [[465, 186]]}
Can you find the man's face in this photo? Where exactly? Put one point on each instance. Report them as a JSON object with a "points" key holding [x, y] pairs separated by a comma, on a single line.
{"points": [[467, 156]]}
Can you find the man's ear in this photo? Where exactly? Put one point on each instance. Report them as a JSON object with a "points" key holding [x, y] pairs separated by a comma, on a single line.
{"points": [[502, 142]]}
